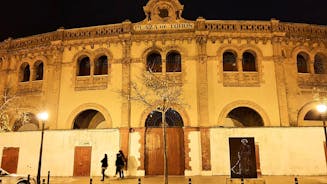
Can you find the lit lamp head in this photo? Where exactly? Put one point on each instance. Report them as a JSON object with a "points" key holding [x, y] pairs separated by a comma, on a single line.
{"points": [[322, 108], [43, 116]]}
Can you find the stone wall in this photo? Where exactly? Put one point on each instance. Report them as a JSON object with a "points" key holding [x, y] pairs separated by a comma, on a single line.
{"points": [[58, 150], [282, 151]]}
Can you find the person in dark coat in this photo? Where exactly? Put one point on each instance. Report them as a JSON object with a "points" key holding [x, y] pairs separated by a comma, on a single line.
{"points": [[120, 163], [104, 165]]}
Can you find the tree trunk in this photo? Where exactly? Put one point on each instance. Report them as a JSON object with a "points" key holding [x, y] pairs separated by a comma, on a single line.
{"points": [[165, 147]]}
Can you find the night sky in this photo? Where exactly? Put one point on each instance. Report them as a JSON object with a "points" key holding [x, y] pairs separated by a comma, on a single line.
{"points": [[30, 17]]}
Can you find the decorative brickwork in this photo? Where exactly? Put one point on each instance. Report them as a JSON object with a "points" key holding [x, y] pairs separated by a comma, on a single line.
{"points": [[124, 140], [205, 149], [187, 148], [141, 131]]}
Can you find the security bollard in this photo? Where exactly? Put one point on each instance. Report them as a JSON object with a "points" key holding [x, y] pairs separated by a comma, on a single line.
{"points": [[296, 181], [242, 181], [48, 181], [189, 181], [43, 181], [90, 180], [139, 181]]}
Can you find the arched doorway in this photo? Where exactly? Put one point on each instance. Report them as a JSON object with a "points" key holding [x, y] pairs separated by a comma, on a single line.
{"points": [[154, 151], [245, 117], [88, 119]]}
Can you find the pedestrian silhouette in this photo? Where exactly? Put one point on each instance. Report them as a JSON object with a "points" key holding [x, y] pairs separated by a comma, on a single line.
{"points": [[104, 166], [120, 163]]}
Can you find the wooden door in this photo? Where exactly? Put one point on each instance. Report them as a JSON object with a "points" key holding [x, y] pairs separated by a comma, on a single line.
{"points": [[154, 161], [10, 159], [82, 161], [175, 146]]}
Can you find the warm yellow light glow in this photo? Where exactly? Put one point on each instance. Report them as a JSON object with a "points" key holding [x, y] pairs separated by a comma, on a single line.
{"points": [[43, 116], [322, 108]]}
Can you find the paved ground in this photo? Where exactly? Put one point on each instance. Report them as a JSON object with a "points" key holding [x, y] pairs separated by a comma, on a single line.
{"points": [[185, 180]]}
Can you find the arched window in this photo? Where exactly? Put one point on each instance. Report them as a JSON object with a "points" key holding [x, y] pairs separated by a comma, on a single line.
{"points": [[302, 63], [173, 119], [25, 72], [88, 119], [153, 62], [313, 115], [229, 61], [38, 69], [173, 62], [101, 66], [320, 64], [83, 66], [26, 121], [245, 117], [248, 62]]}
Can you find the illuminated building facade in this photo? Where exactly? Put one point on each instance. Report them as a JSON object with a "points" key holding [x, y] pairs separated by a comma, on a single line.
{"points": [[235, 77]]}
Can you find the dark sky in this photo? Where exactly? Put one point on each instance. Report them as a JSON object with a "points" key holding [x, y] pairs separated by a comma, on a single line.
{"points": [[30, 17]]}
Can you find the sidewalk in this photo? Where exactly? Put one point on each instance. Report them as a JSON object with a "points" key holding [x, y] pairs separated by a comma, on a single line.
{"points": [[185, 180]]}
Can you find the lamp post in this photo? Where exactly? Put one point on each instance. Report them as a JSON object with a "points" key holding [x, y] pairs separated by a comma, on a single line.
{"points": [[322, 108], [43, 116]]}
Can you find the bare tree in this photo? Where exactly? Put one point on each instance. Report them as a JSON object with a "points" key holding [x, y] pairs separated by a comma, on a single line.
{"points": [[161, 91], [10, 108]]}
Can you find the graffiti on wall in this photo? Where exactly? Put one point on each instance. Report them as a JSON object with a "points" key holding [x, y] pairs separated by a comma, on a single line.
{"points": [[242, 157]]}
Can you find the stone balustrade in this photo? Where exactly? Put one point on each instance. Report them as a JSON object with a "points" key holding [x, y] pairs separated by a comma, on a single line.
{"points": [[243, 79], [30, 87], [95, 82], [239, 26], [306, 80]]}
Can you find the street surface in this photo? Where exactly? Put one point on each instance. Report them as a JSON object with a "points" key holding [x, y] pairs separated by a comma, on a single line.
{"points": [[185, 180]]}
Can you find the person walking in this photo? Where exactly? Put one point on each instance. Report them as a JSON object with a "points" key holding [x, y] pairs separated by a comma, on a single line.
{"points": [[120, 163], [104, 166]]}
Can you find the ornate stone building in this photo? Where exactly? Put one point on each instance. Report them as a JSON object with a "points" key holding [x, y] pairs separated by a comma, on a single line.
{"points": [[232, 74]]}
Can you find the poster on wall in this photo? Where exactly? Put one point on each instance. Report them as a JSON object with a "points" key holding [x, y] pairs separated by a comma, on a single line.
{"points": [[242, 157]]}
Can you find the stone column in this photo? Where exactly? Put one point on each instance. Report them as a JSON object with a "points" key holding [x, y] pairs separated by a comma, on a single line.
{"points": [[311, 67], [280, 75], [202, 81], [126, 78], [51, 82]]}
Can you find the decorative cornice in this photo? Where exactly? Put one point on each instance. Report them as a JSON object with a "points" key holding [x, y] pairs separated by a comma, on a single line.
{"points": [[216, 29]]}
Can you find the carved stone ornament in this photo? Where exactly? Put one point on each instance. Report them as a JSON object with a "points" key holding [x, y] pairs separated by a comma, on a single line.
{"points": [[163, 10]]}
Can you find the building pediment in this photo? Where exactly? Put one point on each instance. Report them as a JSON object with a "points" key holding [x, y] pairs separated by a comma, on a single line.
{"points": [[161, 11], [163, 15]]}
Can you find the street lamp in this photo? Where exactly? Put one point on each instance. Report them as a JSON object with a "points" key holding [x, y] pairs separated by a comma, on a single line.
{"points": [[322, 108], [43, 116]]}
